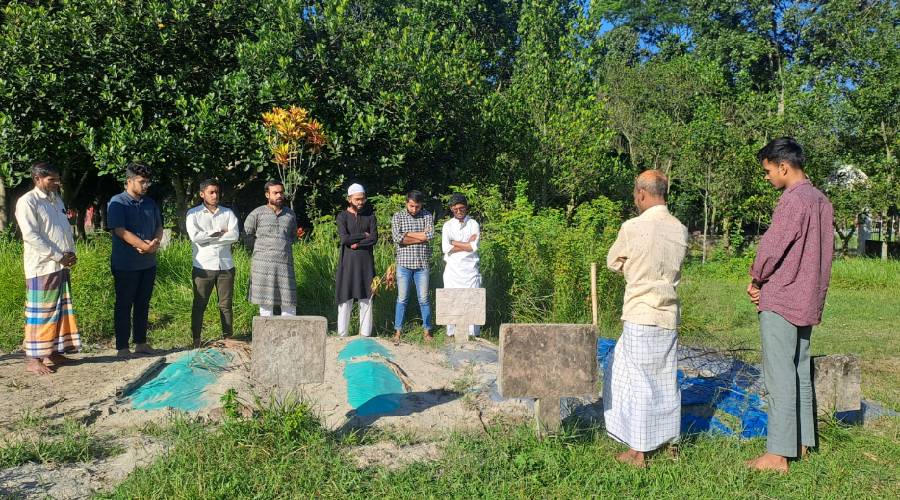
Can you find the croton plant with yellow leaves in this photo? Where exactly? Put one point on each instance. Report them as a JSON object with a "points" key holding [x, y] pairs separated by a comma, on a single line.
{"points": [[296, 141]]}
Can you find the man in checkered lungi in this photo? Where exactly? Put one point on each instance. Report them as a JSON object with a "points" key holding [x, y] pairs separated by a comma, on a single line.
{"points": [[641, 399], [50, 327]]}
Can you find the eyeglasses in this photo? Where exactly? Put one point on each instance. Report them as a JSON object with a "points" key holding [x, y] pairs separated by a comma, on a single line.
{"points": [[145, 183], [458, 209]]}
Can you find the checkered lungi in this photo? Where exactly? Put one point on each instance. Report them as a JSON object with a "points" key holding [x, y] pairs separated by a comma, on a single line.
{"points": [[50, 324], [641, 397]]}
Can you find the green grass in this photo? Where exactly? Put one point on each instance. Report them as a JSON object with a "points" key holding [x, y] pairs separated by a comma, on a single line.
{"points": [[36, 441], [860, 317], [284, 453]]}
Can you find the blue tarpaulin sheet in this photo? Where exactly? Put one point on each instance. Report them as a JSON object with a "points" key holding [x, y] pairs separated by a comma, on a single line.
{"points": [[725, 392], [372, 387], [181, 385]]}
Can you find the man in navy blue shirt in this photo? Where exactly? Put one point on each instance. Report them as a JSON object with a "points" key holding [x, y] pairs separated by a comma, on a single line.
{"points": [[136, 226]]}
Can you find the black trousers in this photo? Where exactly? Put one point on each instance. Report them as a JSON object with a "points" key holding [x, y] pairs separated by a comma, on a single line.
{"points": [[133, 292], [204, 280]]}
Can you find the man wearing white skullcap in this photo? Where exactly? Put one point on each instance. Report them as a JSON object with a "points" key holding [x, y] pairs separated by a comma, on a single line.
{"points": [[358, 232]]}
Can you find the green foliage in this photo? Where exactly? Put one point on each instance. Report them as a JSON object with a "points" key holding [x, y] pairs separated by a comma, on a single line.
{"points": [[572, 97]]}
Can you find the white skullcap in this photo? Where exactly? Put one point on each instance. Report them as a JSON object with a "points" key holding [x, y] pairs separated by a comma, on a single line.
{"points": [[355, 188]]}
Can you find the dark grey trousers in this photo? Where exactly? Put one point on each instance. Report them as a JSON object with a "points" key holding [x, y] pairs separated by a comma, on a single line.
{"points": [[788, 378], [204, 280]]}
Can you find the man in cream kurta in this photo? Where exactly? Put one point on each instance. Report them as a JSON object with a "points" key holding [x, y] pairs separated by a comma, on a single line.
{"points": [[641, 399], [459, 244]]}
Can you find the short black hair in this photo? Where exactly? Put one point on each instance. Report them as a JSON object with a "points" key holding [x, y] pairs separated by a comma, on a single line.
{"points": [[416, 196], [42, 169], [783, 149], [273, 183], [133, 170], [458, 199], [205, 183]]}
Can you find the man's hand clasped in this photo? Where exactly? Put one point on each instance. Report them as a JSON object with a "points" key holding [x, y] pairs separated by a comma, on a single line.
{"points": [[68, 259], [150, 246], [753, 293]]}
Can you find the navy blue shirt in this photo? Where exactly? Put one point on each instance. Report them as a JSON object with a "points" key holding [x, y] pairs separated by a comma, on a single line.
{"points": [[142, 218]]}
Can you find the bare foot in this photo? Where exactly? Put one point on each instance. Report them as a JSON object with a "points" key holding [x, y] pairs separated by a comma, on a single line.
{"points": [[56, 359], [37, 367], [428, 337], [144, 349], [123, 353], [769, 462], [633, 458]]}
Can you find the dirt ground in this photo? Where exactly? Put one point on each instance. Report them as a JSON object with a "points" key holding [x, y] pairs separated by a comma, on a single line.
{"points": [[448, 389]]}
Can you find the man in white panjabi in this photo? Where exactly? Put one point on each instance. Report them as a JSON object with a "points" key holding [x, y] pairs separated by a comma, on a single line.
{"points": [[459, 243], [641, 398]]}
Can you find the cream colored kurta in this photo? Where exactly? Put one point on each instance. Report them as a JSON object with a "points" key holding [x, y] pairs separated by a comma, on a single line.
{"points": [[649, 251], [46, 232]]}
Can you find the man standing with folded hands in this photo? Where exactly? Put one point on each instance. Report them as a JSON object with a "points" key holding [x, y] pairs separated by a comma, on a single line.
{"points": [[212, 229]]}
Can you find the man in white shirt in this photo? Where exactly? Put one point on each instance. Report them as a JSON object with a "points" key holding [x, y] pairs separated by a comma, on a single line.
{"points": [[459, 244], [212, 230], [50, 326], [641, 398]]}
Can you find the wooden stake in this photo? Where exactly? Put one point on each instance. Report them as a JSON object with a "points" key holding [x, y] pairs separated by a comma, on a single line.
{"points": [[594, 292]]}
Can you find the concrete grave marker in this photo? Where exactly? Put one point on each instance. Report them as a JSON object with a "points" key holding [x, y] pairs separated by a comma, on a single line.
{"points": [[547, 362], [288, 351], [460, 307], [836, 379]]}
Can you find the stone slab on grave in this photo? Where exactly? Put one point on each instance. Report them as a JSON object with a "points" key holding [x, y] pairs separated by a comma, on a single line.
{"points": [[460, 307], [836, 379], [288, 351], [547, 362]]}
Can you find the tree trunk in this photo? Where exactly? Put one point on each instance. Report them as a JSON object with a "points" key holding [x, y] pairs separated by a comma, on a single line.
{"points": [[885, 234], [3, 208], [845, 237], [181, 203], [79, 223], [101, 209], [705, 224]]}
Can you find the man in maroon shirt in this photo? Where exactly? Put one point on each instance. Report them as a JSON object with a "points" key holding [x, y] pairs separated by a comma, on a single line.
{"points": [[790, 278]]}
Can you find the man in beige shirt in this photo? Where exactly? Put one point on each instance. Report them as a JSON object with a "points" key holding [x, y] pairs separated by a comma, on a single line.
{"points": [[50, 326], [641, 399]]}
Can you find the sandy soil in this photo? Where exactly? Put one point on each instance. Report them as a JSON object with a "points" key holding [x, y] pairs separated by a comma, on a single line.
{"points": [[449, 389]]}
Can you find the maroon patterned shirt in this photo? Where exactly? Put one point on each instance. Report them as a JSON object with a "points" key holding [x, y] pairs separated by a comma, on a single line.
{"points": [[793, 261]]}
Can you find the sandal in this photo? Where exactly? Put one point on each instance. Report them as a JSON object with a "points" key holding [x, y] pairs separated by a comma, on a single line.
{"points": [[397, 339]]}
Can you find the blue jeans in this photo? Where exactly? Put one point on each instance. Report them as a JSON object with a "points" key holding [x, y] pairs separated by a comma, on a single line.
{"points": [[420, 276]]}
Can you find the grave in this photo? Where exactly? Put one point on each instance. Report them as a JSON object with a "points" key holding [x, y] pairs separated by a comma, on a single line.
{"points": [[288, 351], [547, 362], [460, 307]]}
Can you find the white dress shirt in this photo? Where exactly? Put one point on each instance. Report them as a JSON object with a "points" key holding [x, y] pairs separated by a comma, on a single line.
{"points": [[461, 269], [46, 232], [212, 253]]}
